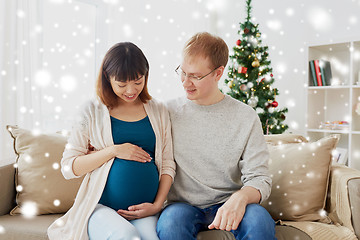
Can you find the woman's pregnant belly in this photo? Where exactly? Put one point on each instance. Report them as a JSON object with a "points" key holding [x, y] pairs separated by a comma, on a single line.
{"points": [[130, 183]]}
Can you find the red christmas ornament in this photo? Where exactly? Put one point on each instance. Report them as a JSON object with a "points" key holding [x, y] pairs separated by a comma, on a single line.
{"points": [[274, 104], [246, 30], [271, 75], [260, 81], [242, 70], [238, 42]]}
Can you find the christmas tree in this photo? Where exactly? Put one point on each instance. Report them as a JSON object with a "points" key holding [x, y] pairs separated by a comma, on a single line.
{"points": [[250, 77]]}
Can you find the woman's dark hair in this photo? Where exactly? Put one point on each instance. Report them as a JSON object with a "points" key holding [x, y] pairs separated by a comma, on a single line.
{"points": [[126, 62]]}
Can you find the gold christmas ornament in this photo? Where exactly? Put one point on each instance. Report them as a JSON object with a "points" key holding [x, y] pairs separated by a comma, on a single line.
{"points": [[230, 84], [258, 35], [255, 63]]}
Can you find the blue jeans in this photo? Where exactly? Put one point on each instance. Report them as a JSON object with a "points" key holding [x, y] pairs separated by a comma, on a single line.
{"points": [[183, 221], [105, 223]]}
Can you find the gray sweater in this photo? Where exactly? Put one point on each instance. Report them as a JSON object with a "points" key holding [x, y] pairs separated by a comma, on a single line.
{"points": [[218, 149]]}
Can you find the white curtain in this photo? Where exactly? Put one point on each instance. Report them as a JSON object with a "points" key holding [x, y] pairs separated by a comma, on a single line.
{"points": [[45, 47], [19, 59]]}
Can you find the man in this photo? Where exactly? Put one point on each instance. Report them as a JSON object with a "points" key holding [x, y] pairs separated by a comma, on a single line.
{"points": [[220, 151]]}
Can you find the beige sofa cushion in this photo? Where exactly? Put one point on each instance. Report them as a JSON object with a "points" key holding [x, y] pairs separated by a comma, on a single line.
{"points": [[41, 187], [20, 227], [300, 174]]}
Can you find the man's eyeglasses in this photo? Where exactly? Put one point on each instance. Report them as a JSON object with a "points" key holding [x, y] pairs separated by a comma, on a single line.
{"points": [[192, 78]]}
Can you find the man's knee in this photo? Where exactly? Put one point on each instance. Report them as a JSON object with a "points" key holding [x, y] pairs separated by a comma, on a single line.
{"points": [[256, 209], [256, 215], [256, 223]]}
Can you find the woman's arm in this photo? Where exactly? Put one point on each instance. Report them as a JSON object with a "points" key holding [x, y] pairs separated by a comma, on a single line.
{"points": [[89, 162], [168, 165], [164, 187]]}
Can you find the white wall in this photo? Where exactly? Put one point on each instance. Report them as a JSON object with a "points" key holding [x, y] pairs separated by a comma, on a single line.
{"points": [[288, 27], [161, 27]]}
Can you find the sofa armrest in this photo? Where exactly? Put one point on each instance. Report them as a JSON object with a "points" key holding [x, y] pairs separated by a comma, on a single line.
{"points": [[7, 189], [354, 195], [344, 197]]}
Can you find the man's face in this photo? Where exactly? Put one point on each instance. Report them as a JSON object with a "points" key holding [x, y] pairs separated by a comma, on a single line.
{"points": [[200, 91]]}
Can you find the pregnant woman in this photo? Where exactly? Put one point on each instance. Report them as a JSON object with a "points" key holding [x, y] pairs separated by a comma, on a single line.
{"points": [[128, 176]]}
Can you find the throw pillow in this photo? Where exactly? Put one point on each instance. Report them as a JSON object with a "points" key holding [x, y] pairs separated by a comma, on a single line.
{"points": [[300, 174], [276, 139], [41, 187]]}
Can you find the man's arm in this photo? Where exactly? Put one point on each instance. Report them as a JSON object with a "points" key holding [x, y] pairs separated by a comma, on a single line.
{"points": [[229, 215], [255, 178]]}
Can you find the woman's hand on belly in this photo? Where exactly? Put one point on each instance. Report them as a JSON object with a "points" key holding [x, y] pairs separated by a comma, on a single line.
{"points": [[140, 211], [126, 151], [131, 152]]}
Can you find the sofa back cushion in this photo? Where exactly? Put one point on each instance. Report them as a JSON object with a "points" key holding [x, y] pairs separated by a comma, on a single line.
{"points": [[40, 185], [300, 174]]}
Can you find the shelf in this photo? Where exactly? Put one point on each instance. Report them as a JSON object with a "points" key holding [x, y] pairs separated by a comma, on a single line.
{"points": [[337, 47], [329, 131], [333, 87], [328, 87], [334, 102]]}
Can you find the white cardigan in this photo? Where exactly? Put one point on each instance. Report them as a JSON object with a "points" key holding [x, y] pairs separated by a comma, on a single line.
{"points": [[93, 126]]}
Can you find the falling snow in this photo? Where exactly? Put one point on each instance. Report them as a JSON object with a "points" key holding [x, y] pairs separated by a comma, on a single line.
{"points": [[57, 202], [42, 78], [56, 166], [68, 83], [320, 19], [323, 213], [19, 188], [2, 230], [29, 209]]}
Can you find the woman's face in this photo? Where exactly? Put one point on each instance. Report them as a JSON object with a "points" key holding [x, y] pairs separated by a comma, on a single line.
{"points": [[128, 91]]}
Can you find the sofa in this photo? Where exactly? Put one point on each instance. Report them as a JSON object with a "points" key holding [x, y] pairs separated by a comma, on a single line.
{"points": [[338, 219]]}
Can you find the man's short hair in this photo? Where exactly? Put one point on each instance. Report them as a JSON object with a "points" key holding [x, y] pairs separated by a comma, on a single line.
{"points": [[208, 46]]}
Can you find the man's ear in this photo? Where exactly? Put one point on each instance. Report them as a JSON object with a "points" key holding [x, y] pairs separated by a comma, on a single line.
{"points": [[219, 72]]}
